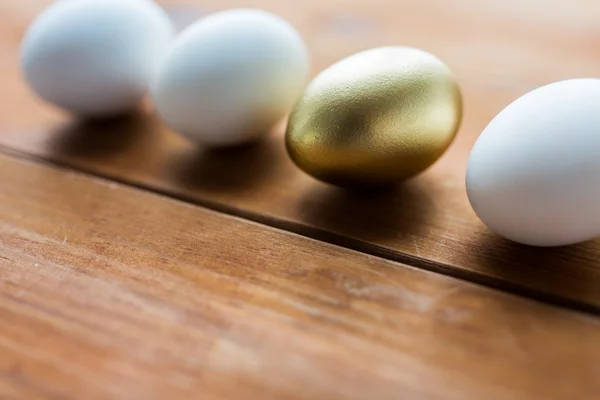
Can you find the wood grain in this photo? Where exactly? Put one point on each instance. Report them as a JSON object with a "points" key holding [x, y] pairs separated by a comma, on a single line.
{"points": [[500, 50], [110, 292]]}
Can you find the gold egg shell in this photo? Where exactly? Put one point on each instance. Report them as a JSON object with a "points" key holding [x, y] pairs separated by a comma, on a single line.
{"points": [[375, 118]]}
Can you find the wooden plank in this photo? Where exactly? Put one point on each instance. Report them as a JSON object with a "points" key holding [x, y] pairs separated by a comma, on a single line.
{"points": [[111, 292], [500, 50]]}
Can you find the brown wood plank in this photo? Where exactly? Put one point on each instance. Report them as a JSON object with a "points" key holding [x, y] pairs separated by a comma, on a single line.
{"points": [[500, 50], [110, 292]]}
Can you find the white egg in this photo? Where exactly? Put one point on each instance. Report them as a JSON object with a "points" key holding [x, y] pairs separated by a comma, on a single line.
{"points": [[534, 173], [95, 57], [231, 76]]}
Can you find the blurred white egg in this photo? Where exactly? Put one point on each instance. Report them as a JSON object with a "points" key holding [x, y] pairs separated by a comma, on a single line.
{"points": [[95, 58], [231, 76], [534, 173]]}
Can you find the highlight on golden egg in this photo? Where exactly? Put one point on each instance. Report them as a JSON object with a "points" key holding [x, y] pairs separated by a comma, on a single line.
{"points": [[375, 118]]}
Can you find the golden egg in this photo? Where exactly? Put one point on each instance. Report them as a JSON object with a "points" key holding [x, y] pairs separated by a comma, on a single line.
{"points": [[375, 118]]}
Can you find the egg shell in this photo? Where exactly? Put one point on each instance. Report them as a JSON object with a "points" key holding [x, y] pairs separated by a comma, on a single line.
{"points": [[231, 76], [534, 173], [95, 58], [375, 118]]}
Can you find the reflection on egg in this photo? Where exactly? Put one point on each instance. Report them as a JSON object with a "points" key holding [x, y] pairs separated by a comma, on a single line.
{"points": [[375, 118], [533, 175], [95, 57], [231, 76]]}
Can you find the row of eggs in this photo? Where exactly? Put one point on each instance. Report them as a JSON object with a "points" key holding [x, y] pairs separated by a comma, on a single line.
{"points": [[372, 119]]}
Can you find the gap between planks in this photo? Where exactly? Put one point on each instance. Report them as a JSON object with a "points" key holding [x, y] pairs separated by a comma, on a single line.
{"points": [[325, 236]]}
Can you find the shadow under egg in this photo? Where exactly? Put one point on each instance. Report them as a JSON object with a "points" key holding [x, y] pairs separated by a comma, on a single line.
{"points": [[561, 274], [102, 138], [374, 214], [230, 169]]}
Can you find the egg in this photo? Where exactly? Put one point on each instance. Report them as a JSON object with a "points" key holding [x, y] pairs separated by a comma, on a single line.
{"points": [[231, 76], [533, 175], [375, 118], [95, 58]]}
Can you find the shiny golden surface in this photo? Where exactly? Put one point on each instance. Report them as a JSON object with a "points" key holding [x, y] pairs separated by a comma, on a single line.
{"points": [[375, 118]]}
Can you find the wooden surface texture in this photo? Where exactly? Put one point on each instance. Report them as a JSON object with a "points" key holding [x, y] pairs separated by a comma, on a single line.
{"points": [[109, 292], [189, 273], [498, 49]]}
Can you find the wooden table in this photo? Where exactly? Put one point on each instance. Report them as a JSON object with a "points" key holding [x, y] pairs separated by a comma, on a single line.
{"points": [[135, 265]]}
